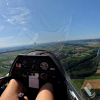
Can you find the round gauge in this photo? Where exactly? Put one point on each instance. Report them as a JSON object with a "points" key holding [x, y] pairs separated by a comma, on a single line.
{"points": [[43, 76], [25, 64], [44, 66], [34, 66]]}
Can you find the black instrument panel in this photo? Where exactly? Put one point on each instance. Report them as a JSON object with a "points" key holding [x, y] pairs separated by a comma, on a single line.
{"points": [[35, 71]]}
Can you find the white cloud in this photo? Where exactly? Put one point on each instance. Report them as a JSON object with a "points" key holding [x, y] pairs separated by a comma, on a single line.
{"points": [[1, 27], [5, 41], [17, 19], [3, 16], [10, 20], [24, 28], [7, 4], [22, 23], [5, 38], [18, 15], [35, 37]]}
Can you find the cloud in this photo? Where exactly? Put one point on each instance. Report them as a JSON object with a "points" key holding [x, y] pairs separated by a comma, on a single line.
{"points": [[1, 27], [7, 4], [22, 23], [35, 37], [3, 16], [5, 38], [24, 28], [16, 20], [18, 15], [5, 41]]}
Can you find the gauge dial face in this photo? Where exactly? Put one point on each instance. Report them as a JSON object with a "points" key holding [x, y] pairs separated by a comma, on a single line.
{"points": [[44, 66], [25, 64], [43, 76], [34, 66]]}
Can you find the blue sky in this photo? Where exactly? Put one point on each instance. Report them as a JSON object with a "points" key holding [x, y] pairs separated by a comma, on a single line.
{"points": [[48, 21]]}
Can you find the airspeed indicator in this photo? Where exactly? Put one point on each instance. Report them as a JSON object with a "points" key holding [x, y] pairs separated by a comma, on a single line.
{"points": [[44, 66]]}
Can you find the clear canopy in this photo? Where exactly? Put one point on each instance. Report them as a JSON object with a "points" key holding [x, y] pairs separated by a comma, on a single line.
{"points": [[70, 29]]}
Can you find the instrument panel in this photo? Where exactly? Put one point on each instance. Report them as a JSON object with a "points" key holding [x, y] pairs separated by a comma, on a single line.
{"points": [[35, 71]]}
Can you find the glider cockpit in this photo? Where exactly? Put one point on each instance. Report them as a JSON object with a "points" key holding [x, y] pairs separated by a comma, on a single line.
{"points": [[35, 69]]}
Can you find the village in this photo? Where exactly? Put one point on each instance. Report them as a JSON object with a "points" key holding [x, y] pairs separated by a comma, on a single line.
{"points": [[8, 67]]}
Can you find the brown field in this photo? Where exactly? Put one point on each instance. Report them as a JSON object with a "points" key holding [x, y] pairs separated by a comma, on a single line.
{"points": [[80, 48], [98, 71], [93, 44], [94, 83], [1, 75]]}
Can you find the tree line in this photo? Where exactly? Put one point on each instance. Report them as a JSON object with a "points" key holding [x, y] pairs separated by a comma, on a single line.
{"points": [[82, 67]]}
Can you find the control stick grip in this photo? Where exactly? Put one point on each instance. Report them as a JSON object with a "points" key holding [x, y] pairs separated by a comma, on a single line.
{"points": [[21, 96]]}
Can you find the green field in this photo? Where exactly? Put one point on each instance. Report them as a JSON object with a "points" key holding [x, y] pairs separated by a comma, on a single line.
{"points": [[94, 76], [99, 67], [4, 71], [6, 62], [69, 47], [77, 83]]}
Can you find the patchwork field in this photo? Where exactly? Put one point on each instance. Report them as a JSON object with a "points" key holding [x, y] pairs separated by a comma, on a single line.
{"points": [[94, 80], [93, 44], [95, 83]]}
